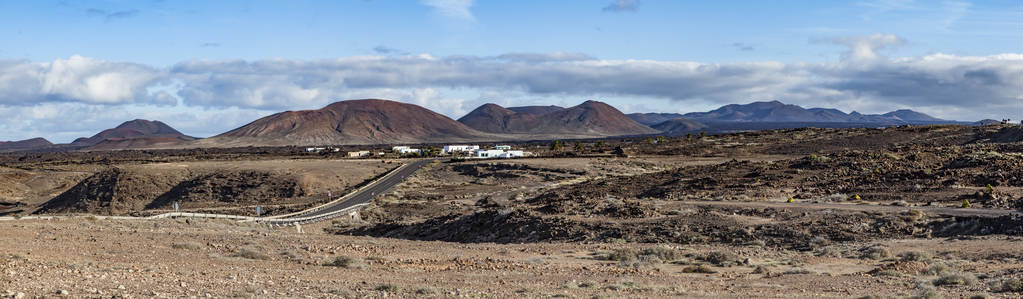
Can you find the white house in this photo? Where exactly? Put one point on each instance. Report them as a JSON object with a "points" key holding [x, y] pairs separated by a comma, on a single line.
{"points": [[487, 154], [513, 154], [405, 150], [315, 149], [459, 148], [503, 147]]}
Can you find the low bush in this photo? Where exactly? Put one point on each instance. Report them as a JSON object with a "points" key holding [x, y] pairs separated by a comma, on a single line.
{"points": [[1014, 285], [721, 258], [955, 279], [875, 253], [664, 253], [347, 262], [251, 253], [915, 256]]}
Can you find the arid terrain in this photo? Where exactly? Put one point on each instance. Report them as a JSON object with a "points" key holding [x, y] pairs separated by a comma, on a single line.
{"points": [[924, 211]]}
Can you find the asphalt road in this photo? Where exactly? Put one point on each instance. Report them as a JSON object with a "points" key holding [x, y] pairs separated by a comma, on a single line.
{"points": [[367, 194]]}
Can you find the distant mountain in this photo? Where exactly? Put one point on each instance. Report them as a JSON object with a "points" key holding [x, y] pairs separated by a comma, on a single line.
{"points": [[26, 144], [778, 112], [912, 116], [987, 122], [138, 128], [651, 119], [589, 119], [537, 110], [137, 133], [369, 121], [679, 126]]}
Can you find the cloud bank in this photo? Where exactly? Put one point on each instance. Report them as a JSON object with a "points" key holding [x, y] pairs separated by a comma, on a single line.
{"points": [[949, 86]]}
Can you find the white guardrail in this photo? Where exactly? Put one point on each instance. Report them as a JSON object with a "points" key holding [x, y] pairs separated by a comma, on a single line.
{"points": [[279, 220]]}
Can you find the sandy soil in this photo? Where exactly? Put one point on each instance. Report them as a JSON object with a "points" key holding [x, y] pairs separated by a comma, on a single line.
{"points": [[174, 258]]}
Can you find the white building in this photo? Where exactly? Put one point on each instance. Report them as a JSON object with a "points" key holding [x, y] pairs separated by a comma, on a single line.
{"points": [[503, 147], [358, 154], [405, 150], [322, 149], [459, 148], [487, 154]]}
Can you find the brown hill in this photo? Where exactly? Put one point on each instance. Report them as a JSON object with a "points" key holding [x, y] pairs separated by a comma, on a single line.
{"points": [[368, 121], [137, 133], [589, 119], [26, 144]]}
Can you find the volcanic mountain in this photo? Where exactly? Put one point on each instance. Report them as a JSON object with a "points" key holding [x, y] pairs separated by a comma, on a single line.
{"points": [[26, 144], [651, 119], [679, 126], [369, 121], [589, 119], [775, 111], [137, 133]]}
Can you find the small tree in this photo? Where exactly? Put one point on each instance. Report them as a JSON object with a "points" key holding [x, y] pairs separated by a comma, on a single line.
{"points": [[650, 141], [601, 144], [556, 145], [689, 136], [703, 134], [579, 146], [661, 139]]}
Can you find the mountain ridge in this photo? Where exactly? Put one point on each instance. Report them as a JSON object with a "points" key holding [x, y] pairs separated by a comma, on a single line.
{"points": [[588, 119]]}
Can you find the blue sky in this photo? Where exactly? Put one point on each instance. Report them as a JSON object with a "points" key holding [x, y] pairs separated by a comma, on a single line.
{"points": [[208, 66]]}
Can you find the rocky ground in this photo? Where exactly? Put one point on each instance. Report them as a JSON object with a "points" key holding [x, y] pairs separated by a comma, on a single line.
{"points": [[929, 211], [181, 258]]}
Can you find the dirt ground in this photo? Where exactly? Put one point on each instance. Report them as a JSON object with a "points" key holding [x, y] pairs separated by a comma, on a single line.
{"points": [[907, 212], [176, 258]]}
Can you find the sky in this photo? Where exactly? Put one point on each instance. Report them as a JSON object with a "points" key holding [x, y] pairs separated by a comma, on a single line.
{"points": [[69, 69]]}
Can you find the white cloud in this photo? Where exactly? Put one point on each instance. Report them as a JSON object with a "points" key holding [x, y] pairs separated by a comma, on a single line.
{"points": [[456, 9], [45, 97], [76, 79], [864, 48]]}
